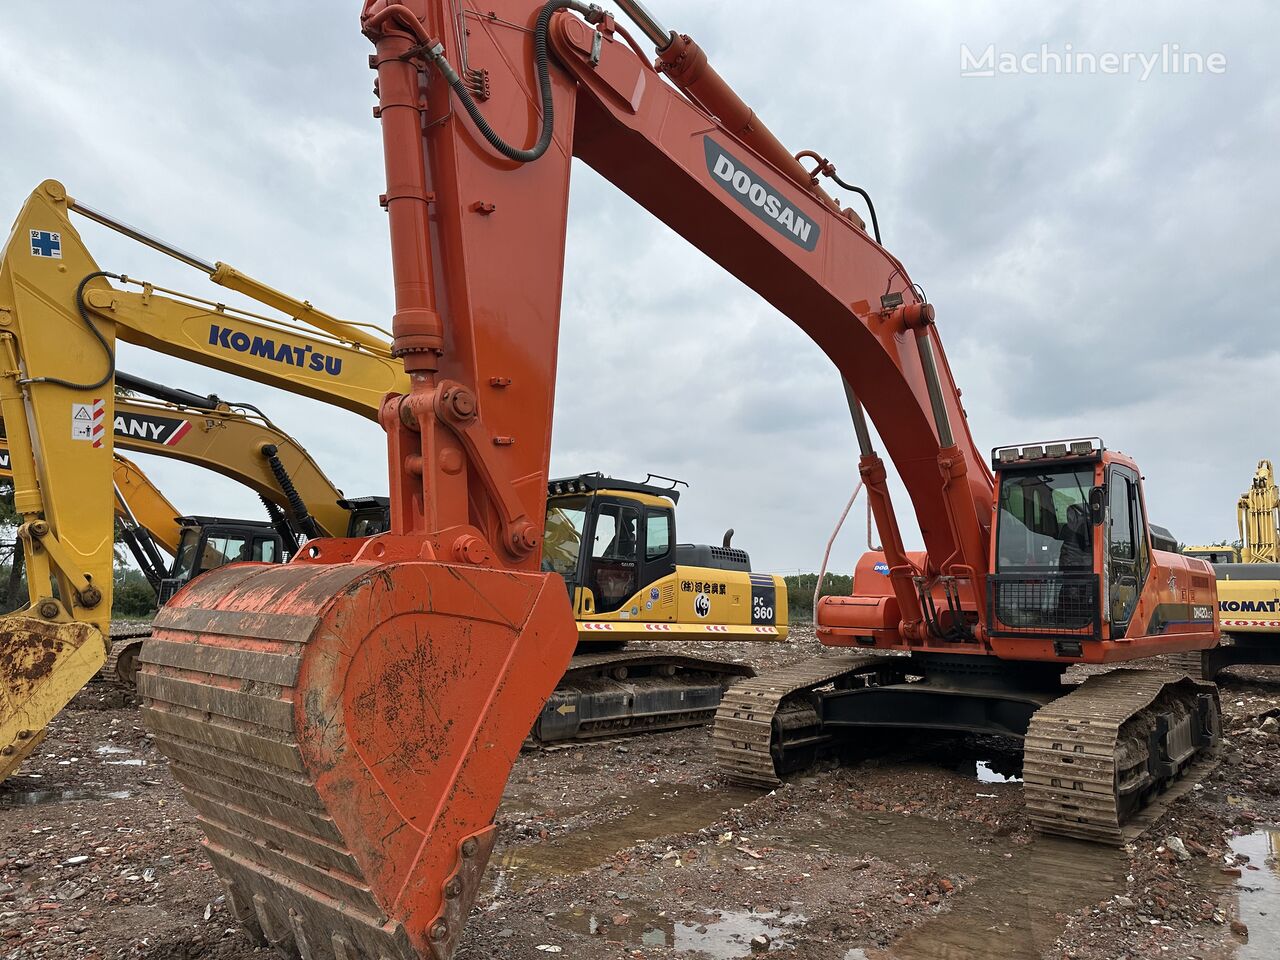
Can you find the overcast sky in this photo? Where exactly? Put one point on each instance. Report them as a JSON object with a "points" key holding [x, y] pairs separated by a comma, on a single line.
{"points": [[1102, 250]]}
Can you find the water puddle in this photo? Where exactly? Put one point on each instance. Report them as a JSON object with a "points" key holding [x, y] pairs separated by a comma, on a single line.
{"points": [[657, 811], [987, 773], [1260, 893], [724, 935], [31, 798], [1012, 901]]}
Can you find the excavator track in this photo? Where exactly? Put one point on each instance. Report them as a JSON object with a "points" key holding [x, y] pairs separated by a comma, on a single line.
{"points": [[1094, 767], [622, 692], [762, 720], [122, 661]]}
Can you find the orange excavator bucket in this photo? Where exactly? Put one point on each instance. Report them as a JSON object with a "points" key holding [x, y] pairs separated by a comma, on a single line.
{"points": [[345, 733]]}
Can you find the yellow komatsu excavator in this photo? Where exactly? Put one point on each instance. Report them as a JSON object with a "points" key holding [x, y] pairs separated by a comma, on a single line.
{"points": [[614, 543], [60, 318], [58, 401], [1248, 578]]}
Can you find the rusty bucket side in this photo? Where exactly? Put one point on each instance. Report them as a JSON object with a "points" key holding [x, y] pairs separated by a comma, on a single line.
{"points": [[345, 733]]}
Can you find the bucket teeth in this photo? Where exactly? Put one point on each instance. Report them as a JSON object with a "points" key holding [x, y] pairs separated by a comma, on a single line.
{"points": [[344, 734]]}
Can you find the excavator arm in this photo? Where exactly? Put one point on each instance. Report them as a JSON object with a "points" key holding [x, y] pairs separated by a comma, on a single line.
{"points": [[1258, 517], [241, 446]]}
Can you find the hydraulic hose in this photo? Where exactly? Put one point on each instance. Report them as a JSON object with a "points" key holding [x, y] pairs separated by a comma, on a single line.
{"points": [[306, 523], [826, 557], [106, 347], [871, 207], [542, 61], [278, 520]]}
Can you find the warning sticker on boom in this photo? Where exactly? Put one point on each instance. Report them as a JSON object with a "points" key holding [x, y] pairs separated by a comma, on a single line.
{"points": [[87, 421]]}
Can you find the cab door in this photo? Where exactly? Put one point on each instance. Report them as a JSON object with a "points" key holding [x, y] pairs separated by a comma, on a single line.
{"points": [[1128, 556], [613, 566], [658, 558]]}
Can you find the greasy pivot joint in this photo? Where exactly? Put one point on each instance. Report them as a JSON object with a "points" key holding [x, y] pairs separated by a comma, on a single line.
{"points": [[524, 537], [455, 402]]}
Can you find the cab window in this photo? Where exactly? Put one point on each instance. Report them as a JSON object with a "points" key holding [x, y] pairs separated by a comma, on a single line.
{"points": [[1122, 499], [264, 549], [657, 534], [1044, 521], [615, 537]]}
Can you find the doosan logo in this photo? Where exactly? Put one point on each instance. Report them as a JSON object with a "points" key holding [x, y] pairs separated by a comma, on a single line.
{"points": [[759, 196]]}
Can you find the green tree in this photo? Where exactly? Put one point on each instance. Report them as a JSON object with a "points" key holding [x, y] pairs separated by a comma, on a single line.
{"points": [[800, 591]]}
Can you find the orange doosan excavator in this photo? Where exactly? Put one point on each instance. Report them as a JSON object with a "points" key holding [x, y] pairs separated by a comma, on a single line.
{"points": [[345, 723]]}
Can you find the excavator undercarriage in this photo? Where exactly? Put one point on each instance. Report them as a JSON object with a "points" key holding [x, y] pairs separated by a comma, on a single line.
{"points": [[1102, 758]]}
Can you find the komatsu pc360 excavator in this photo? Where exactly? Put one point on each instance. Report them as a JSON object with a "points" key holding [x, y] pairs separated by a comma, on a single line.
{"points": [[345, 723]]}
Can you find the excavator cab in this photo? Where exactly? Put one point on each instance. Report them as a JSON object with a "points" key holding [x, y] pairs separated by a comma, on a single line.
{"points": [[609, 539], [207, 543], [370, 516], [1075, 560]]}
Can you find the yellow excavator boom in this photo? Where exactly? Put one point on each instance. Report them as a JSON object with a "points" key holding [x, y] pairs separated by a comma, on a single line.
{"points": [[136, 491], [1258, 517], [60, 319]]}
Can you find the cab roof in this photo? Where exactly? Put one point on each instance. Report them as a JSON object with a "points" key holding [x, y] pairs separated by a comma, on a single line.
{"points": [[599, 483]]}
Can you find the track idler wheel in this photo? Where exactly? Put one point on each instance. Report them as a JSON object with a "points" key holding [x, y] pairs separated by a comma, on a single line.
{"points": [[345, 732]]}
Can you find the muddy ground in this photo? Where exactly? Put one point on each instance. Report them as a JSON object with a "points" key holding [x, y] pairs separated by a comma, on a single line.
{"points": [[638, 849]]}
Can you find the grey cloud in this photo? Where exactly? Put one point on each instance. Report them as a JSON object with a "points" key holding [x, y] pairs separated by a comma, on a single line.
{"points": [[1100, 249]]}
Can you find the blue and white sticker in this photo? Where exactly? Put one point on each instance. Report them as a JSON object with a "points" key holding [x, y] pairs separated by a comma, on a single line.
{"points": [[46, 243], [654, 594], [882, 568]]}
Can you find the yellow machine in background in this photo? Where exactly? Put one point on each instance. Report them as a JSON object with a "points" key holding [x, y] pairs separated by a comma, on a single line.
{"points": [[1213, 553], [1248, 580], [1258, 517], [61, 316], [614, 543]]}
